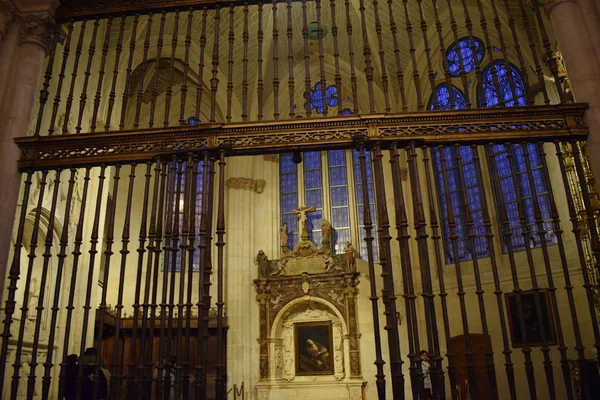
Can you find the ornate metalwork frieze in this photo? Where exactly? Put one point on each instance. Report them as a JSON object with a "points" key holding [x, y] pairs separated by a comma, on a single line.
{"points": [[469, 126]]}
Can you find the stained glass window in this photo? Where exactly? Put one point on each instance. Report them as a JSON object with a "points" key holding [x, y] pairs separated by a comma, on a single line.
{"points": [[510, 91], [465, 54], [513, 178], [288, 176], [441, 99], [346, 111], [338, 195], [362, 248], [313, 193], [178, 200], [450, 167], [315, 98]]}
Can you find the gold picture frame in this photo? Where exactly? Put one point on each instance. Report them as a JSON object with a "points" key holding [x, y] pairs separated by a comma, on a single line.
{"points": [[313, 348]]}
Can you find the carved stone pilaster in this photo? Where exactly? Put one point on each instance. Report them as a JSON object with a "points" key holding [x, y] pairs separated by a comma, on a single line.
{"points": [[38, 29]]}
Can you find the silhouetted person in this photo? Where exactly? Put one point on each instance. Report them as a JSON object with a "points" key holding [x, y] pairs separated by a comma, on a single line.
{"points": [[70, 381], [92, 373]]}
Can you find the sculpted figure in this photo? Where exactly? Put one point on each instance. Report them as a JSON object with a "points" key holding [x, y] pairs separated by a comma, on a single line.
{"points": [[263, 264], [350, 255]]}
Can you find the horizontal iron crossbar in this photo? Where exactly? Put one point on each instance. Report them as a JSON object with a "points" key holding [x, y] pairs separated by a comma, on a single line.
{"points": [[560, 122]]}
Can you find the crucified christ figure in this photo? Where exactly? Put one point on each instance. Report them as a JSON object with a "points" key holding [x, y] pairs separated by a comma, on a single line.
{"points": [[302, 211]]}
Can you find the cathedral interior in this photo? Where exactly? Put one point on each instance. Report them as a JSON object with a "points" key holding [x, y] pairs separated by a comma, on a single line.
{"points": [[286, 199]]}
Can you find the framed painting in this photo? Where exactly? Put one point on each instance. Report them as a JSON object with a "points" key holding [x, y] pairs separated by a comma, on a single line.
{"points": [[313, 348], [531, 319]]}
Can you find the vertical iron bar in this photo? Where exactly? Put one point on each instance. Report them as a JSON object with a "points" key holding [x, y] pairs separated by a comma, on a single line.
{"points": [[527, 234], [108, 252], [157, 62], [128, 91], [469, 26], [259, 61], [169, 92], [61, 78], [112, 96], [472, 245], [230, 61], [221, 381], [93, 251], [164, 351], [25, 306], [200, 87], [62, 255], [83, 97], [368, 226], [245, 37], [307, 83], [336, 57], [275, 48], [69, 102], [447, 77], [141, 250], [13, 279], [412, 50], [461, 63], [399, 68], [515, 43], [47, 255], [73, 284], [101, 73], [453, 238], [405, 262], [214, 82], [202, 251], [550, 59], [118, 369], [384, 75], [507, 236], [367, 56], [290, 42], [430, 73], [439, 260], [388, 293], [437, 379], [44, 94], [322, 80], [533, 47], [353, 82], [144, 67], [186, 67], [510, 373]]}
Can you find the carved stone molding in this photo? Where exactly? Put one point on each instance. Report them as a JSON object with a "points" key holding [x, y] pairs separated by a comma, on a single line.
{"points": [[549, 5], [9, 10], [254, 185], [39, 29]]}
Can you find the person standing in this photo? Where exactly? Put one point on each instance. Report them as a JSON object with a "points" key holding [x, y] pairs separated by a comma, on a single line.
{"points": [[426, 369]]}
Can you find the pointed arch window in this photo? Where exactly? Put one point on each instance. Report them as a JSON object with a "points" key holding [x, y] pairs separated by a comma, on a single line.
{"points": [[514, 180], [456, 180], [464, 54]]}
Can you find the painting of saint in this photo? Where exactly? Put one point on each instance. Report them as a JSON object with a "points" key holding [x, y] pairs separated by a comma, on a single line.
{"points": [[313, 348], [532, 322]]}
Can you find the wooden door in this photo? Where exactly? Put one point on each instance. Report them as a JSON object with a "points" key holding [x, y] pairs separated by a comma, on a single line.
{"points": [[460, 361]]}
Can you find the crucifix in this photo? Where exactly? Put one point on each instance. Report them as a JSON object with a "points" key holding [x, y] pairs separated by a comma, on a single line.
{"points": [[301, 212]]}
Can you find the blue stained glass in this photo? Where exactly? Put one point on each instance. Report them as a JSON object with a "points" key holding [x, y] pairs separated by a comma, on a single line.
{"points": [[346, 111], [507, 93], [312, 179], [465, 54], [337, 176], [312, 160], [339, 196], [286, 165], [340, 217], [336, 157], [289, 202], [314, 198], [441, 99], [315, 98]]}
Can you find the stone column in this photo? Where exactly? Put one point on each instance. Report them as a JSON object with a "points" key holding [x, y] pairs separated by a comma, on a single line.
{"points": [[580, 59], [36, 32]]}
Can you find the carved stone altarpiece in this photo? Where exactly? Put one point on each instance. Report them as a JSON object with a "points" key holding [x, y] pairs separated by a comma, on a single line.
{"points": [[308, 284]]}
